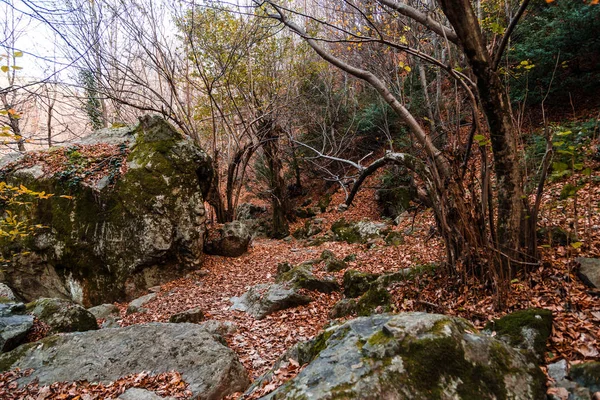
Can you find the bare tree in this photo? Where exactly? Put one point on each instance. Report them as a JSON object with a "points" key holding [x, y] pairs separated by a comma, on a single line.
{"points": [[480, 228]]}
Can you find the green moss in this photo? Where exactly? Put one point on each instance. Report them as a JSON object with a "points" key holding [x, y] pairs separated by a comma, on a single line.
{"points": [[394, 238], [376, 297], [335, 265], [512, 325], [5, 300], [7, 360], [324, 202], [431, 363], [319, 343], [356, 282], [345, 231], [379, 338]]}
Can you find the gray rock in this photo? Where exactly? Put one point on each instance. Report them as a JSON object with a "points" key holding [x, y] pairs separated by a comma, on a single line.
{"points": [[246, 211], [6, 293], [221, 328], [212, 370], [137, 305], [232, 240], [63, 315], [14, 325], [358, 232], [262, 300], [587, 375], [343, 308], [104, 311], [558, 370], [141, 394], [410, 356], [111, 322], [110, 242], [589, 272], [524, 329], [193, 315], [301, 277]]}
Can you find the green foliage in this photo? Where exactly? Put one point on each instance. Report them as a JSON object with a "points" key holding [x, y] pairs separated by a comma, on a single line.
{"points": [[570, 143], [15, 225], [565, 29]]}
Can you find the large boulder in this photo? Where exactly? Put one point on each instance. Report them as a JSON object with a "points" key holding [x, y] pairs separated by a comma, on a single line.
{"points": [[14, 325], [131, 221], [63, 315], [212, 370], [232, 240], [262, 300], [410, 356]]}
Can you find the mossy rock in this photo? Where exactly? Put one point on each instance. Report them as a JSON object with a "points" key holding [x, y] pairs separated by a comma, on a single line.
{"points": [[324, 203], [376, 300], [345, 232], [411, 356], [587, 375], [63, 316], [306, 212], [327, 255], [301, 277], [343, 308], [528, 330], [394, 238], [350, 258], [108, 243], [356, 282], [555, 236]]}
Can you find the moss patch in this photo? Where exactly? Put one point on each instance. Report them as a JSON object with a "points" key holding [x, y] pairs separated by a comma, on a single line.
{"points": [[516, 328], [375, 298]]}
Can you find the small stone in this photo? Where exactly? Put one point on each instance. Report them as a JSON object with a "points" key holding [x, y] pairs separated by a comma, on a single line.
{"points": [[136, 305], [193, 315], [103, 311], [558, 370], [63, 315], [14, 325]]}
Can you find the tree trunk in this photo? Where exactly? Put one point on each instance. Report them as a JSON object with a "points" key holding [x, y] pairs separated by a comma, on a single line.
{"points": [[279, 201], [511, 227]]}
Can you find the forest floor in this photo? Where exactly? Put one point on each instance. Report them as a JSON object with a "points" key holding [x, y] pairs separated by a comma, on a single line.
{"points": [[554, 285]]}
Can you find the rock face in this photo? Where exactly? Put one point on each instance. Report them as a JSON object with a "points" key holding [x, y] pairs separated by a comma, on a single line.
{"points": [[232, 240], [589, 272], [212, 370], [63, 315], [262, 300], [410, 356], [14, 325], [110, 240]]}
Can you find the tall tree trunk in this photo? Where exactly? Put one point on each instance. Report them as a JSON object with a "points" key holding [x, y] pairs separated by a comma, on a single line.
{"points": [[279, 201], [511, 226]]}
